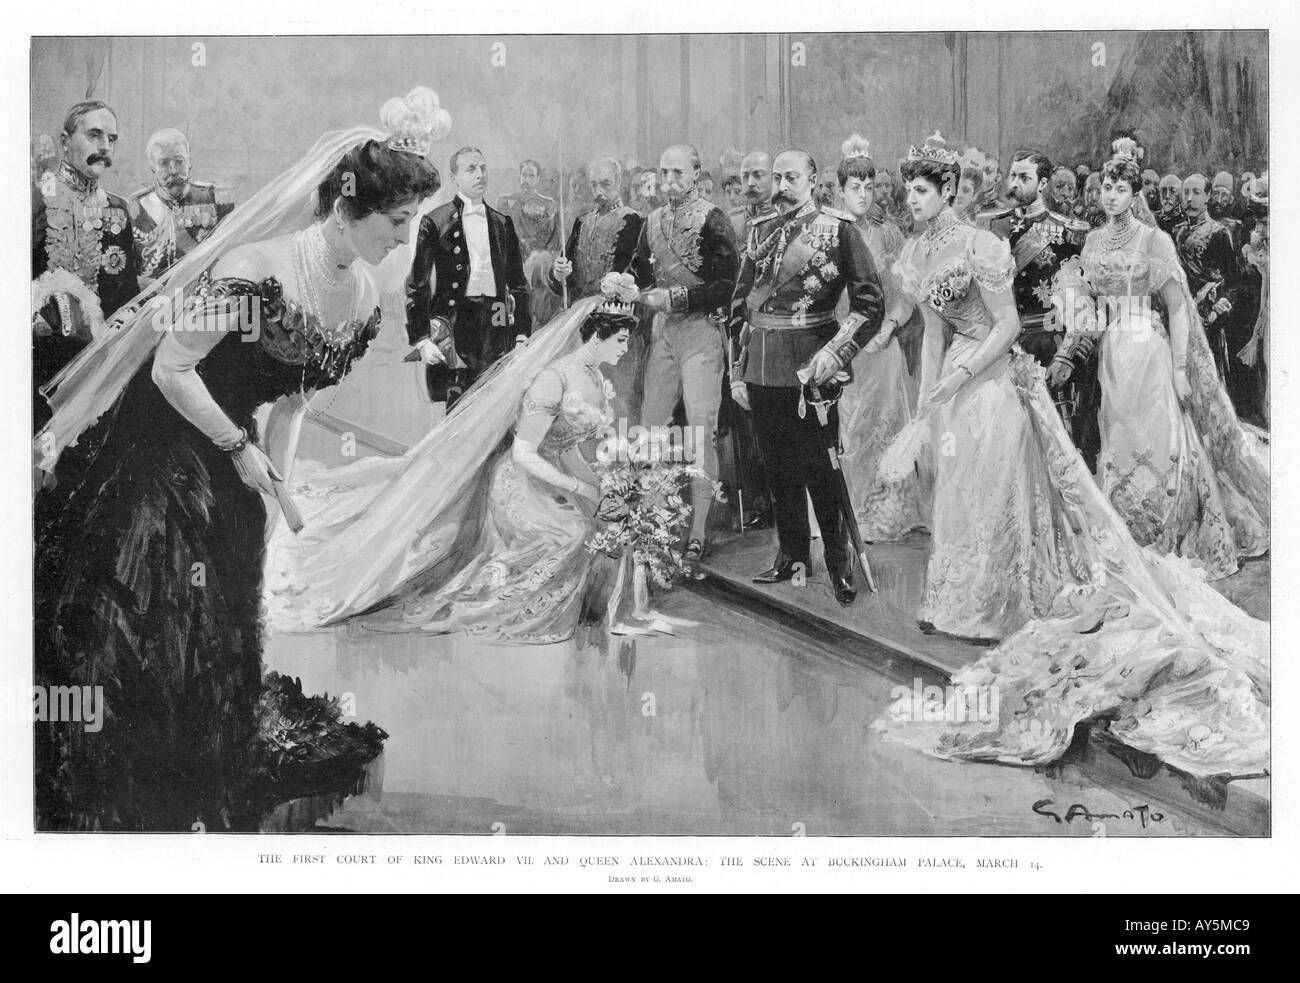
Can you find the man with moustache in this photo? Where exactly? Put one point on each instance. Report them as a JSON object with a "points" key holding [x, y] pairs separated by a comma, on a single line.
{"points": [[1151, 188], [480, 307], [686, 263], [1209, 259], [1063, 191], [176, 213], [1170, 215], [83, 254], [1093, 213], [604, 240], [756, 182], [795, 269], [535, 215], [1041, 241], [756, 208], [1223, 208]]}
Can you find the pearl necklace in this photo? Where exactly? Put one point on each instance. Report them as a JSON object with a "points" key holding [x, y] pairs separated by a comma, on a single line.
{"points": [[322, 272], [1120, 232]]}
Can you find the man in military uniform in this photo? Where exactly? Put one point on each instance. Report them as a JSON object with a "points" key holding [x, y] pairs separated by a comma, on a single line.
{"points": [[1041, 240], [83, 256], [686, 263], [536, 216], [176, 213], [480, 307], [1209, 259], [757, 208], [1170, 215], [795, 268], [756, 179], [604, 240]]}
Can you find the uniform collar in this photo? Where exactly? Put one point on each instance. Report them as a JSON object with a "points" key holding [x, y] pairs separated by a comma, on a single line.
{"points": [[1031, 212], [167, 199], [691, 196], [807, 208], [612, 206], [79, 182]]}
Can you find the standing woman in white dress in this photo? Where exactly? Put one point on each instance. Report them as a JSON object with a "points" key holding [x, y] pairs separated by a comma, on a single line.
{"points": [[881, 399], [995, 561], [1027, 549], [1175, 461]]}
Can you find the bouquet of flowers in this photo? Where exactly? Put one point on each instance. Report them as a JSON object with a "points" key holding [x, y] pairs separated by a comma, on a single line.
{"points": [[642, 506]]}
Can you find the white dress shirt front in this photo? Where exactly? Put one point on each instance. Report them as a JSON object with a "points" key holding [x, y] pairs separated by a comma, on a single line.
{"points": [[482, 280]]}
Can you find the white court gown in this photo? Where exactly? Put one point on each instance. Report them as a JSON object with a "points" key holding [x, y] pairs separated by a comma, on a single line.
{"points": [[1027, 548]]}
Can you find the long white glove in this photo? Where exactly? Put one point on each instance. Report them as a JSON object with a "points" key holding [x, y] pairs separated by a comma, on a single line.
{"points": [[175, 373]]}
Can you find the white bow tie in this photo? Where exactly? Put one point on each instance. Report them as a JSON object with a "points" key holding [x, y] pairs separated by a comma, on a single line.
{"points": [[478, 209]]}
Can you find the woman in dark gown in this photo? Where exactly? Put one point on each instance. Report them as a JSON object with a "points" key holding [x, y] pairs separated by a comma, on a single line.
{"points": [[150, 547]]}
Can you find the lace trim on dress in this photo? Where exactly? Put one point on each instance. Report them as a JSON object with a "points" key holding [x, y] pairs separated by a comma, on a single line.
{"points": [[285, 331]]}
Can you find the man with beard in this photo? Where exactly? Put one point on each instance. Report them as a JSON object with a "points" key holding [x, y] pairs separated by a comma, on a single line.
{"points": [[796, 267], [480, 307], [83, 248], [1093, 213], [1064, 190], [604, 240], [1041, 241], [686, 264], [756, 185], [176, 213], [1151, 188], [1223, 208], [827, 191], [757, 208], [1170, 214], [1209, 259], [535, 215]]}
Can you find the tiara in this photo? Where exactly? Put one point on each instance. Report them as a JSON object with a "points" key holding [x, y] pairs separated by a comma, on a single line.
{"points": [[935, 148], [415, 122], [620, 291], [855, 146]]}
